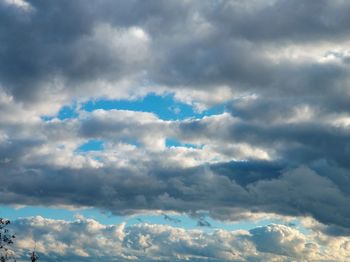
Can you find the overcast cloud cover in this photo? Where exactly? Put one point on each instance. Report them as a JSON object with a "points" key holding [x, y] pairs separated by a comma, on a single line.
{"points": [[281, 147]]}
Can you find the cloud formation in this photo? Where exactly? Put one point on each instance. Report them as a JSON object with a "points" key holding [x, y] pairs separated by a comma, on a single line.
{"points": [[86, 240], [281, 146]]}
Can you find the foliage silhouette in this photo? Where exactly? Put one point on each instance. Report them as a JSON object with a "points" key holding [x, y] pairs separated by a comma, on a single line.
{"points": [[34, 257], [6, 240]]}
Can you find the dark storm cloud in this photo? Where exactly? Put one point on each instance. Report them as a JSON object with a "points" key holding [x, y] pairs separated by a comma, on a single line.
{"points": [[37, 46], [296, 142], [283, 19], [298, 192], [245, 173], [194, 44]]}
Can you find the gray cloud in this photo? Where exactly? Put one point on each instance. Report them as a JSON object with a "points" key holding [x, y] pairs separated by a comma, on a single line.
{"points": [[192, 44], [130, 179]]}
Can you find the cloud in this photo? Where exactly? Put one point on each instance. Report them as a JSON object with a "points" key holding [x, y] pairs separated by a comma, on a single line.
{"points": [[282, 240], [203, 223], [86, 240], [281, 146], [172, 219], [44, 168], [187, 45]]}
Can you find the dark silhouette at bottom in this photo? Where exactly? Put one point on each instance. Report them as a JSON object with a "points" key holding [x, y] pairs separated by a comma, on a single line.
{"points": [[34, 257]]}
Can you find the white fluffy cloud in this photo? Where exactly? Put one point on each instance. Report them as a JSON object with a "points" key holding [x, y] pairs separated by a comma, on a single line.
{"points": [[88, 240]]}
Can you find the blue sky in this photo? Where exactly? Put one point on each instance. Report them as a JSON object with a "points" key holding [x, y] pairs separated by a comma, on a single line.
{"points": [[166, 107], [182, 221]]}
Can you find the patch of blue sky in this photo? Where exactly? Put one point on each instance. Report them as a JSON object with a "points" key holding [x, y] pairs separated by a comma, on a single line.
{"points": [[47, 118], [250, 224], [13, 213], [106, 218], [171, 142], [66, 112], [91, 145], [99, 145], [164, 106], [181, 221]]}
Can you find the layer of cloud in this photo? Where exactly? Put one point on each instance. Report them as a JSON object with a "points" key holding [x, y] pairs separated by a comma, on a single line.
{"points": [[185, 45], [87, 240], [41, 165]]}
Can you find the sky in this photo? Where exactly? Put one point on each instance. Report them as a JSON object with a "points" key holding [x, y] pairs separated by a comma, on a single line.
{"points": [[188, 130]]}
